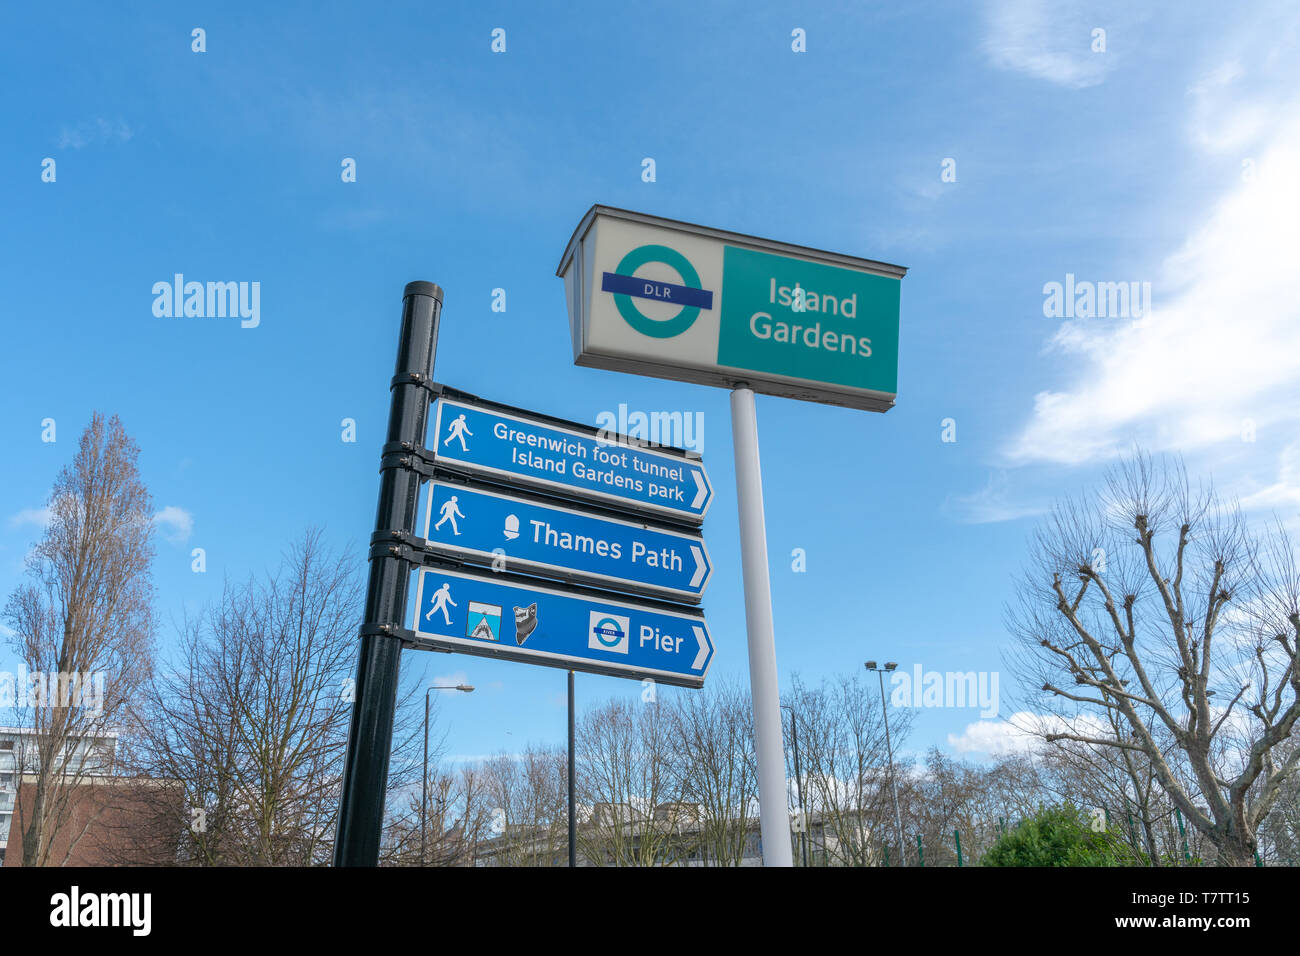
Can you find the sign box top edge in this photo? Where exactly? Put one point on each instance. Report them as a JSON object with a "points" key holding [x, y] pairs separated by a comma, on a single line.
{"points": [[777, 247]]}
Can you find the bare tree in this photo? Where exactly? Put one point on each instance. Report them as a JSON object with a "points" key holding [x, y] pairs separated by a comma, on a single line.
{"points": [[527, 803], [713, 751], [625, 775], [1121, 782], [1155, 603], [253, 720], [84, 616], [1280, 833], [458, 819], [944, 794], [844, 766], [463, 816], [1014, 790]]}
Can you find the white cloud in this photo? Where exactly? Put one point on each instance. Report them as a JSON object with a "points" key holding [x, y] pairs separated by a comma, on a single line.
{"points": [[1224, 118], [994, 502], [996, 737], [1283, 494], [1049, 40], [176, 523], [94, 131], [37, 517], [1022, 732], [1220, 346]]}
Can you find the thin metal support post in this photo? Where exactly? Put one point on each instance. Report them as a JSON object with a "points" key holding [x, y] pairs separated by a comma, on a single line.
{"points": [[764, 690]]}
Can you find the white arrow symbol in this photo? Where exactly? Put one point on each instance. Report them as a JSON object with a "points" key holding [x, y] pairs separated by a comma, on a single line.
{"points": [[702, 490], [704, 647], [700, 566]]}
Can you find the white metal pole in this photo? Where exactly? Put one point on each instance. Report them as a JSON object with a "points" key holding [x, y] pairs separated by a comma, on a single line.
{"points": [[763, 686]]}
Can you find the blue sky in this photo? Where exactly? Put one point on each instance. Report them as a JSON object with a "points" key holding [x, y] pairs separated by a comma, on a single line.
{"points": [[1169, 158]]}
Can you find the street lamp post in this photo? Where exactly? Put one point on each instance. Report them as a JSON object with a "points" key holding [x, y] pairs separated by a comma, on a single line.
{"points": [[798, 781], [898, 819], [424, 778]]}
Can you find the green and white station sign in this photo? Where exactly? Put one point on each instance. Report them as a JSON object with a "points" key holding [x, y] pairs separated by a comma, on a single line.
{"points": [[675, 300]]}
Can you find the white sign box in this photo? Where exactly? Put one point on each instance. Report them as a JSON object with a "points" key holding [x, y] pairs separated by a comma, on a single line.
{"points": [[674, 300]]}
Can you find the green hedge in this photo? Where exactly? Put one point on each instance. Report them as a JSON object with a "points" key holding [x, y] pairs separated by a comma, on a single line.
{"points": [[1061, 836]]}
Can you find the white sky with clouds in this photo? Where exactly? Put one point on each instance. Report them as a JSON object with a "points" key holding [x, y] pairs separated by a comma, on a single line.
{"points": [[1217, 361], [1222, 346]]}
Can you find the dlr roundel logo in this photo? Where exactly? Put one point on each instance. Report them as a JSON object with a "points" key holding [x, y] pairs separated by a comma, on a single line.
{"points": [[627, 287]]}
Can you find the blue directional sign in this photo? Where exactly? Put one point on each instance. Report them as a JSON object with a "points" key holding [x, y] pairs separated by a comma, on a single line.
{"points": [[516, 533], [476, 612], [519, 450]]}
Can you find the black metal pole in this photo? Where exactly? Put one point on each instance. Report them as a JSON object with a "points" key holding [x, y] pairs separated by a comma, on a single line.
{"points": [[424, 776], [573, 810], [798, 782], [370, 734]]}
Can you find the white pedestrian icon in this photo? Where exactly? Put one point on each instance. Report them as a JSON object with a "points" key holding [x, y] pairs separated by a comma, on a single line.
{"points": [[457, 430], [449, 512], [441, 598]]}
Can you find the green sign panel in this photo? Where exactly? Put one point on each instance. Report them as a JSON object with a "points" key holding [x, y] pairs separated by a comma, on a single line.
{"points": [[808, 320]]}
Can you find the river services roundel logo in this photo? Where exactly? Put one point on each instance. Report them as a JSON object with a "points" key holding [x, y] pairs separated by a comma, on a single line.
{"points": [[627, 287], [608, 632]]}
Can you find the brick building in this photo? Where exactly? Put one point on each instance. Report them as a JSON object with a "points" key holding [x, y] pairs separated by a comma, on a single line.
{"points": [[107, 820]]}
